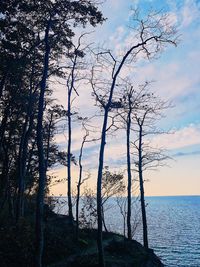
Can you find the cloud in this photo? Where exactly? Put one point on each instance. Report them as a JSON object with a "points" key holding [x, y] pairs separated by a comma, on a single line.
{"points": [[190, 12], [176, 73], [186, 136]]}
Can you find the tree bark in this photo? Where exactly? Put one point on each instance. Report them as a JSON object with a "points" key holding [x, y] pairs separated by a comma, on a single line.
{"points": [[143, 209], [42, 167], [99, 195], [69, 158], [129, 234], [23, 150], [79, 186], [48, 141]]}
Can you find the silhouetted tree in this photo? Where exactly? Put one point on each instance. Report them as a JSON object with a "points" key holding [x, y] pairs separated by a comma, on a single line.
{"points": [[152, 34], [80, 182], [46, 27], [74, 75], [147, 157]]}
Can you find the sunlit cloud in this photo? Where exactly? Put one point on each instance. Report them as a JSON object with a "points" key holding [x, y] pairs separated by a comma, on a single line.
{"points": [[187, 136]]}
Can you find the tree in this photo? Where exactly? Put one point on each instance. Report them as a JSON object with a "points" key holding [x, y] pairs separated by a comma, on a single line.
{"points": [[76, 66], [46, 28], [147, 157], [152, 34], [56, 39], [131, 102], [80, 182]]}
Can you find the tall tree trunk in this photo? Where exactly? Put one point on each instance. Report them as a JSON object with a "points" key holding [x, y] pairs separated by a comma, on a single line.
{"points": [[48, 141], [101, 158], [42, 167], [99, 193], [143, 209], [77, 206], [69, 158], [5, 174], [129, 176], [79, 184], [79, 187], [21, 173], [23, 150]]}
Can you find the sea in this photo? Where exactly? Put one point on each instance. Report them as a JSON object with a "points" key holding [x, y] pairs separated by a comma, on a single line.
{"points": [[173, 227]]}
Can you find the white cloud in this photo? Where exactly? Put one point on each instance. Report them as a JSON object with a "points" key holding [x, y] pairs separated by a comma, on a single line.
{"points": [[187, 136]]}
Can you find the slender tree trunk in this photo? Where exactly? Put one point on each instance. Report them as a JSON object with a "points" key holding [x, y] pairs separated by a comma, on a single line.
{"points": [[30, 156], [144, 220], [101, 159], [27, 129], [129, 234], [6, 175], [48, 141], [79, 185], [100, 171], [23, 150], [103, 220], [78, 189], [77, 211], [69, 158], [21, 173], [99, 193], [42, 167]]}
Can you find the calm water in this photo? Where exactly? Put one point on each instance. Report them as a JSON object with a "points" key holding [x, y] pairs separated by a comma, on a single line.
{"points": [[173, 228]]}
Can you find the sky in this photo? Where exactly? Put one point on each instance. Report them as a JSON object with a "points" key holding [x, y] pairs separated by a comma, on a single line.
{"points": [[176, 76]]}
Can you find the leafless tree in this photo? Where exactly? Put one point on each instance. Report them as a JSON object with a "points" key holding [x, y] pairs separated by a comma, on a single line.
{"points": [[80, 181], [151, 35], [146, 157], [74, 76], [131, 101]]}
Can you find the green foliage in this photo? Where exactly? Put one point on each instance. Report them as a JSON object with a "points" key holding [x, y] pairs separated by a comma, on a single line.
{"points": [[88, 214], [112, 184]]}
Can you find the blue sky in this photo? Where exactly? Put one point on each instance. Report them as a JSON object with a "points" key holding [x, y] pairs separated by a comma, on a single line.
{"points": [[177, 77]]}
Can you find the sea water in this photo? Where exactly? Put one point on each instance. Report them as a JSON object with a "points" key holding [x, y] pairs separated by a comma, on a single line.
{"points": [[173, 227]]}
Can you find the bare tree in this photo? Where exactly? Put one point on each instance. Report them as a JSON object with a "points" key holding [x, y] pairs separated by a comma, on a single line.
{"points": [[131, 101], [74, 76], [121, 201], [151, 36], [147, 157], [80, 182]]}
